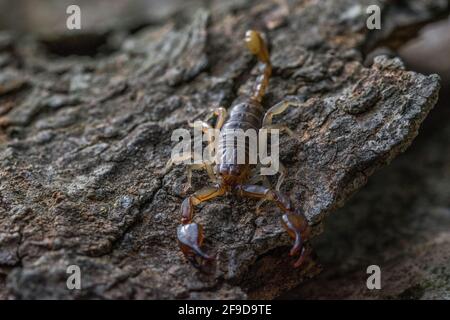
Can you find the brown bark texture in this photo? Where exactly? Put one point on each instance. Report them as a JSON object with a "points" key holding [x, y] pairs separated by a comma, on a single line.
{"points": [[85, 130]]}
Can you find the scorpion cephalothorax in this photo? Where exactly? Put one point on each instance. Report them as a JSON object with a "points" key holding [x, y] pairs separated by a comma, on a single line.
{"points": [[245, 113]]}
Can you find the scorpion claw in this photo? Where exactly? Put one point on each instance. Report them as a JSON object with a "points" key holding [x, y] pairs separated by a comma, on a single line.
{"points": [[190, 238], [296, 225], [300, 260]]}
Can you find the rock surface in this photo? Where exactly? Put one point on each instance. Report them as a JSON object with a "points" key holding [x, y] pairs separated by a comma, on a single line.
{"points": [[83, 141], [400, 220]]}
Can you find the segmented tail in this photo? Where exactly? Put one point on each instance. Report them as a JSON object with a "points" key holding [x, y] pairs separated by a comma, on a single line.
{"points": [[258, 47]]}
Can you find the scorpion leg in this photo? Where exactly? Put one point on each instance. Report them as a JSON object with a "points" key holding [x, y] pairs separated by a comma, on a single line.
{"points": [[190, 235], [209, 169], [258, 178], [277, 109], [205, 127], [190, 168], [294, 222], [221, 114], [280, 177], [280, 127], [180, 159], [266, 183]]}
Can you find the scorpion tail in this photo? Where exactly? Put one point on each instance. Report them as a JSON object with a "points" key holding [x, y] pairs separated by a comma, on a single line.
{"points": [[258, 47]]}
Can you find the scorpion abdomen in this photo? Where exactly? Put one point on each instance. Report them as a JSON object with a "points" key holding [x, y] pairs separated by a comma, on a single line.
{"points": [[244, 115]]}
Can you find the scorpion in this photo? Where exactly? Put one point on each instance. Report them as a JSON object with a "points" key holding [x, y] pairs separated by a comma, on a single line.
{"points": [[245, 113]]}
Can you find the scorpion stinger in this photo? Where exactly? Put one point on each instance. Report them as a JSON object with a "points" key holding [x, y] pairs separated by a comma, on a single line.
{"points": [[246, 113]]}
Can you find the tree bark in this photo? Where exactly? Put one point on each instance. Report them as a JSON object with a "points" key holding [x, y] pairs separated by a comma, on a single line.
{"points": [[83, 142]]}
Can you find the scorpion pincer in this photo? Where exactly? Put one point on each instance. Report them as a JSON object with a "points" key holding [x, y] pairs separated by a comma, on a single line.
{"points": [[246, 113]]}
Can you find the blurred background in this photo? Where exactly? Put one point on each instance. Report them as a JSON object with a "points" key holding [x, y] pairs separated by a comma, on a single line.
{"points": [[400, 220]]}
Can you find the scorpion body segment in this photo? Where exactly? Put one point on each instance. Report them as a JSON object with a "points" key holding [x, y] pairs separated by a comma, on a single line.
{"points": [[246, 113]]}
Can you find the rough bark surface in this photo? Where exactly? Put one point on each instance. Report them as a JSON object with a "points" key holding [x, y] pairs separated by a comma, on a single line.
{"points": [[83, 142], [400, 220]]}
